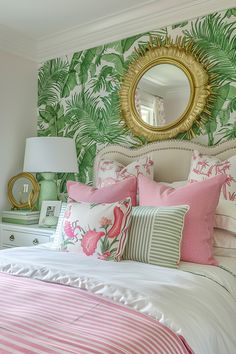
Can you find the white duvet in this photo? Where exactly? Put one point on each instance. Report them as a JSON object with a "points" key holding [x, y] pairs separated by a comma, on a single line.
{"points": [[196, 301]]}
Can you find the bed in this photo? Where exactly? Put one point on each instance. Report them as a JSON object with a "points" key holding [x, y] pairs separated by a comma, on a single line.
{"points": [[61, 302]]}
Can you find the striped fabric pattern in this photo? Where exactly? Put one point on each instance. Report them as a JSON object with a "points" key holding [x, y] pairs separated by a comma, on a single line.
{"points": [[58, 239], [155, 235], [45, 318]]}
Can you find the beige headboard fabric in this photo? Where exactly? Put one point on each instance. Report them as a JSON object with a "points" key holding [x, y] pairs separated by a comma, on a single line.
{"points": [[171, 157]]}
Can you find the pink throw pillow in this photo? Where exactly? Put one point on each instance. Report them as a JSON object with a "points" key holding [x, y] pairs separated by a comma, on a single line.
{"points": [[80, 192], [203, 167], [110, 172], [202, 198]]}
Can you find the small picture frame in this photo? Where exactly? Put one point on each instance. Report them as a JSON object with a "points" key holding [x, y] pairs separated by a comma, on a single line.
{"points": [[49, 213]]}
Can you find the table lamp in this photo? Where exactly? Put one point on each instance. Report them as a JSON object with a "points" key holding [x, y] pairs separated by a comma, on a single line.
{"points": [[48, 156]]}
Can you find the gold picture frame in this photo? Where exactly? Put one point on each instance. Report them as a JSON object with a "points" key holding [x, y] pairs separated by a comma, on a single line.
{"points": [[23, 183], [180, 55]]}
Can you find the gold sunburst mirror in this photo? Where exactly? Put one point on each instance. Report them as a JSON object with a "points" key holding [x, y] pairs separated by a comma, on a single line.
{"points": [[165, 90]]}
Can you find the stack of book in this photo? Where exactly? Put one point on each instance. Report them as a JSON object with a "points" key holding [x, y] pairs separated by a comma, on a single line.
{"points": [[24, 217]]}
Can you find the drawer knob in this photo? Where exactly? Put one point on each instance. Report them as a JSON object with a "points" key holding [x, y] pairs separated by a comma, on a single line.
{"points": [[35, 241], [12, 238]]}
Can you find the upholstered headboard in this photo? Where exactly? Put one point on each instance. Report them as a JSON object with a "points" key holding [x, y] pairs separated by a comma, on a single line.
{"points": [[171, 157]]}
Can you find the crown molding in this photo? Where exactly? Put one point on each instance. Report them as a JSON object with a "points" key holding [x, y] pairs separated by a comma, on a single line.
{"points": [[149, 16], [17, 44], [141, 19]]}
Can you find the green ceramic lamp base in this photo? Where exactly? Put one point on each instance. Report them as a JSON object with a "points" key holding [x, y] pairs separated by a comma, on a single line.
{"points": [[48, 188]]}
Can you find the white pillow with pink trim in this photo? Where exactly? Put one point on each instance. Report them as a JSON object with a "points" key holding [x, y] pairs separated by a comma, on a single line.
{"points": [[203, 167], [110, 172], [98, 230]]}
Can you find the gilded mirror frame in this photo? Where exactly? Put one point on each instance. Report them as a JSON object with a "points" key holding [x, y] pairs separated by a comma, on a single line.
{"points": [[174, 53], [33, 195]]}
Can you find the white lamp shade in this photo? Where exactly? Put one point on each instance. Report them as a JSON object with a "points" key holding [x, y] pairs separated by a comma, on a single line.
{"points": [[50, 154]]}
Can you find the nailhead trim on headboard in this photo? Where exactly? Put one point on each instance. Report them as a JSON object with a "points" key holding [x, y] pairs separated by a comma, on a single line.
{"points": [[223, 151]]}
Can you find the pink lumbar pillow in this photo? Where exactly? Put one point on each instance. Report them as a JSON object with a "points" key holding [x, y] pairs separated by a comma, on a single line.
{"points": [[202, 198], [80, 192]]}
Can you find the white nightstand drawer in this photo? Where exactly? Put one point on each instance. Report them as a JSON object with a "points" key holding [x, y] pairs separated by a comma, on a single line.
{"points": [[15, 238], [15, 235]]}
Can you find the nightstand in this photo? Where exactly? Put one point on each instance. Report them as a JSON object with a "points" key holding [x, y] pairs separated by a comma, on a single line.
{"points": [[14, 235]]}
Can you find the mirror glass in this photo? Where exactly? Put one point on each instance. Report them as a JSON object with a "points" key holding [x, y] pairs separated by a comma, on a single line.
{"points": [[162, 95], [21, 190]]}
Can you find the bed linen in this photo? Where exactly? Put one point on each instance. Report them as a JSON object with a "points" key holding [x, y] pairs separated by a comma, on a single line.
{"points": [[196, 301], [80, 322]]}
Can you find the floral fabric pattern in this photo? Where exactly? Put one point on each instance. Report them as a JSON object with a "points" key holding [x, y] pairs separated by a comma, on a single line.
{"points": [[203, 167], [110, 172], [98, 230]]}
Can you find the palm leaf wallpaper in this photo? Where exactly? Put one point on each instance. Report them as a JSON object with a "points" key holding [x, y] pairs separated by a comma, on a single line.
{"points": [[78, 95]]}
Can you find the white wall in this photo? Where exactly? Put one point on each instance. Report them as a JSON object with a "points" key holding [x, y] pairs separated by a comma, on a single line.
{"points": [[175, 102], [18, 115]]}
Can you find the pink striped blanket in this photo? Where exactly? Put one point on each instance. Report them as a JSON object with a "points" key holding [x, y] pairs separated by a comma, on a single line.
{"points": [[40, 317]]}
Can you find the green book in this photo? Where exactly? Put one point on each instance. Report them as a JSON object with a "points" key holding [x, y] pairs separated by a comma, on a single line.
{"points": [[20, 221]]}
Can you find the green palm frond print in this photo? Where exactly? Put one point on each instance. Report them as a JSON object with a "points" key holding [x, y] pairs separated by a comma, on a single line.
{"points": [[216, 39], [51, 80], [78, 95]]}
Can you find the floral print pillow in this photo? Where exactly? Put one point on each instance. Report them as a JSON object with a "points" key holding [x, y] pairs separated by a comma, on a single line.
{"points": [[98, 230], [203, 167], [110, 172]]}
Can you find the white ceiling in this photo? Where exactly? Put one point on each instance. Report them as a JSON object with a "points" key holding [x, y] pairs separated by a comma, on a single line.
{"points": [[166, 75], [39, 18], [43, 29]]}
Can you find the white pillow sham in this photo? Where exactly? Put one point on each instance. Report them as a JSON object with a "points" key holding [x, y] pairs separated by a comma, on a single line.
{"points": [[224, 243], [225, 217]]}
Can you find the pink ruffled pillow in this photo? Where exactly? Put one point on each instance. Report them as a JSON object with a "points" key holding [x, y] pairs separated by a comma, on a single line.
{"points": [[110, 172], [203, 167], [202, 198], [97, 230], [80, 192]]}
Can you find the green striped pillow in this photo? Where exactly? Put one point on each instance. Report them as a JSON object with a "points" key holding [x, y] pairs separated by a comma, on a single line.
{"points": [[155, 235]]}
